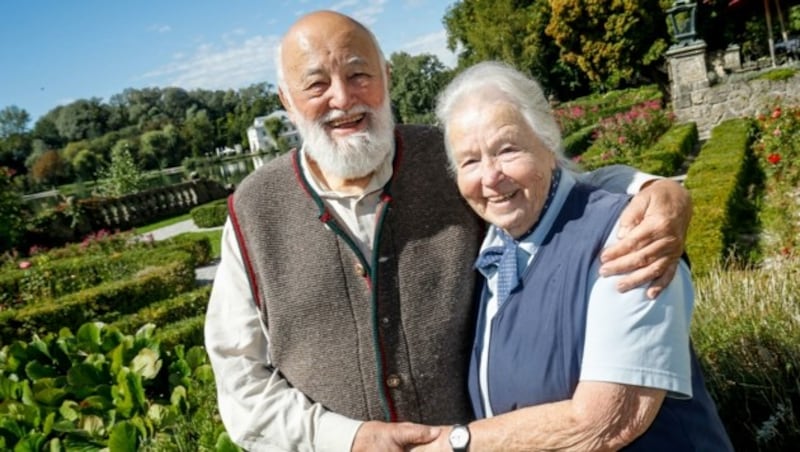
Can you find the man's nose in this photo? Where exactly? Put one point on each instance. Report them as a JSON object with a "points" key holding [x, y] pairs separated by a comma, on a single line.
{"points": [[341, 96]]}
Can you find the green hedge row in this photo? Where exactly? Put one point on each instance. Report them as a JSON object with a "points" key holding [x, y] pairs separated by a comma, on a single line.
{"points": [[104, 302], [47, 279], [165, 312], [667, 155], [576, 143], [211, 215], [718, 181], [188, 332]]}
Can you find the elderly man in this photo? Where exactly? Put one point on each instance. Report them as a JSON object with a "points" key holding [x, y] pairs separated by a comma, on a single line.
{"points": [[561, 360], [343, 302]]}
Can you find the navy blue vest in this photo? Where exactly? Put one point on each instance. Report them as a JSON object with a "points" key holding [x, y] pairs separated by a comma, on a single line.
{"points": [[538, 334]]}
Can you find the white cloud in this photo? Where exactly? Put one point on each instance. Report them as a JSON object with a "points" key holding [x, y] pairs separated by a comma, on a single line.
{"points": [[433, 43], [366, 14], [160, 28], [235, 65]]}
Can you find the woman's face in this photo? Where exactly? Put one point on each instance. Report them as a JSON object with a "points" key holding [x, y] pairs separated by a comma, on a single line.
{"points": [[503, 170]]}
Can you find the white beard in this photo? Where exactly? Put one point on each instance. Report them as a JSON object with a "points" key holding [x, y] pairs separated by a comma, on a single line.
{"points": [[355, 155]]}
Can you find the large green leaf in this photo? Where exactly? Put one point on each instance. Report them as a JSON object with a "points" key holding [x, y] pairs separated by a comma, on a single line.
{"points": [[124, 438], [88, 337], [36, 370], [204, 374], [128, 393], [70, 410], [196, 356], [224, 444], [146, 363], [50, 396], [87, 375], [33, 442]]}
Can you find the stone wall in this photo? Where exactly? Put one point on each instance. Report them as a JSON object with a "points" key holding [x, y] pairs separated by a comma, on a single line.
{"points": [[709, 106], [708, 91]]}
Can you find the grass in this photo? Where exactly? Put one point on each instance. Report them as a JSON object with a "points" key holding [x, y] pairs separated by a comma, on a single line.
{"points": [[160, 224]]}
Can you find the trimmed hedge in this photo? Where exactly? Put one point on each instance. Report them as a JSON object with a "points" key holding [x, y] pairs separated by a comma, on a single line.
{"points": [[47, 279], [188, 332], [718, 181], [670, 151], [576, 143], [164, 312], [101, 303], [210, 215]]}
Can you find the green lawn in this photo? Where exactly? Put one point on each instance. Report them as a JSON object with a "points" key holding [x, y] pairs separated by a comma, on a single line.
{"points": [[153, 226]]}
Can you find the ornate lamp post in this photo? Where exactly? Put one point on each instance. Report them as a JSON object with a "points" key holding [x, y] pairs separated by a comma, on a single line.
{"points": [[682, 18]]}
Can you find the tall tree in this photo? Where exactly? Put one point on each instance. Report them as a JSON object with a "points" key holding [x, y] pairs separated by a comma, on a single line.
{"points": [[416, 80], [123, 175], [13, 121], [473, 29], [614, 43], [83, 119]]}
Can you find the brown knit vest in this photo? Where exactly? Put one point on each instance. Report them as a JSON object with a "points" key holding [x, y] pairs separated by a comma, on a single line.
{"points": [[387, 344]]}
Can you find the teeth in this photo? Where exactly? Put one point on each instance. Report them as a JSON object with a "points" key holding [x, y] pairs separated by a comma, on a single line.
{"points": [[501, 198], [345, 120]]}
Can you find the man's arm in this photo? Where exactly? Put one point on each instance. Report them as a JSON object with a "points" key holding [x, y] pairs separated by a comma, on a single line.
{"points": [[259, 408], [653, 227]]}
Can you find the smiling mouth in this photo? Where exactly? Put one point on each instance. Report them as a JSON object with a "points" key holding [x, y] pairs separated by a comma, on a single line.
{"points": [[502, 198], [347, 121]]}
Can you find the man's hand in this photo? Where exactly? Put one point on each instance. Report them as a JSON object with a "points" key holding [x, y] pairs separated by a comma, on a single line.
{"points": [[652, 233], [441, 444], [392, 437]]}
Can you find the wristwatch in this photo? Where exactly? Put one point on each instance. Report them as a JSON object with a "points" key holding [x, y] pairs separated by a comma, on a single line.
{"points": [[459, 438]]}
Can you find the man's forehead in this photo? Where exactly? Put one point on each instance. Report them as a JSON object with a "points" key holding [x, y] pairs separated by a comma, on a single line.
{"points": [[309, 53]]}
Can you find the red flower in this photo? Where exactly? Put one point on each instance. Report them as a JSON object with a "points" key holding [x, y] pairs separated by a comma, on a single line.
{"points": [[774, 158], [776, 113]]}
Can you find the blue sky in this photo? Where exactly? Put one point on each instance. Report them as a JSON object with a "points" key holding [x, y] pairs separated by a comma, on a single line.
{"points": [[54, 51]]}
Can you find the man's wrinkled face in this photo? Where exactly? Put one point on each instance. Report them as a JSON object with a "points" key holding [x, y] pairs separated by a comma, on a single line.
{"points": [[337, 96]]}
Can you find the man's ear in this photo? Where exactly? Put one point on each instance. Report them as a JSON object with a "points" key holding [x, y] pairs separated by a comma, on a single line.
{"points": [[287, 105]]}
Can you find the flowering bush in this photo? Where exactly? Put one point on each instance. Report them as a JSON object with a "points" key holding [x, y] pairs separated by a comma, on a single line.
{"points": [[627, 134], [778, 152]]}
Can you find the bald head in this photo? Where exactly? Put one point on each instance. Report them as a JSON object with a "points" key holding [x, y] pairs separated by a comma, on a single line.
{"points": [[316, 27]]}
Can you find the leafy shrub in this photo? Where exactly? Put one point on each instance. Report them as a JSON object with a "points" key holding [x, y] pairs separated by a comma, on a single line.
{"points": [[589, 110], [576, 143], [11, 219], [102, 389], [210, 215]]}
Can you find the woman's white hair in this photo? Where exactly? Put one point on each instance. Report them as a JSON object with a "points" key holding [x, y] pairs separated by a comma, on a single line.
{"points": [[482, 82]]}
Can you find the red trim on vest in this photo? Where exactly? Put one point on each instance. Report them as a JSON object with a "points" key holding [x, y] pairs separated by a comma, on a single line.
{"points": [[248, 265]]}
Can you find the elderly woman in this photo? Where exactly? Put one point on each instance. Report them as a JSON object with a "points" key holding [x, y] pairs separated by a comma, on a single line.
{"points": [[561, 361]]}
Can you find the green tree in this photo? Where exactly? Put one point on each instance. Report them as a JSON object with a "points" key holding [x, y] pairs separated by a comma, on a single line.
{"points": [[123, 175], [198, 131], [83, 119], [13, 120], [11, 220], [416, 81], [614, 43], [473, 29]]}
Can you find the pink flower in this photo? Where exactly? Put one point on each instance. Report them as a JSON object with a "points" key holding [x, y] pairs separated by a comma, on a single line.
{"points": [[776, 132], [776, 113], [621, 139], [24, 264]]}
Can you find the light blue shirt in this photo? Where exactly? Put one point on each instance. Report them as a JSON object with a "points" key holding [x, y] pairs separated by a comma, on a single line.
{"points": [[629, 339]]}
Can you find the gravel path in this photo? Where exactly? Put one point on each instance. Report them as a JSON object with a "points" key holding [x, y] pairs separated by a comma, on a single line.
{"points": [[205, 274]]}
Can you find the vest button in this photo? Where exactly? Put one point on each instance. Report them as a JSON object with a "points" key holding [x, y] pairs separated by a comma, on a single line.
{"points": [[393, 381], [385, 322], [360, 270]]}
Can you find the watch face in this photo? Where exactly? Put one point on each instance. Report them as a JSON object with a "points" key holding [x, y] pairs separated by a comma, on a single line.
{"points": [[459, 437]]}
